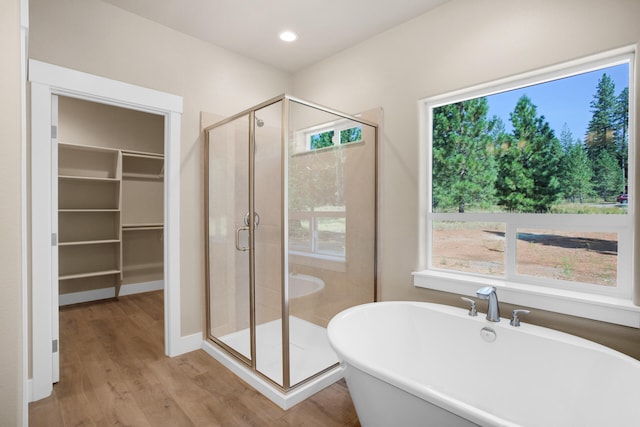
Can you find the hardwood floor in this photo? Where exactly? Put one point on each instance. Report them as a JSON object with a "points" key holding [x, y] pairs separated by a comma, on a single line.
{"points": [[113, 371]]}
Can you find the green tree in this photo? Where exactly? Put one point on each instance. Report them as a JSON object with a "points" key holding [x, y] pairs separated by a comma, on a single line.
{"points": [[601, 128], [576, 172], [351, 135], [621, 122], [608, 131], [464, 171], [566, 137], [529, 163], [609, 180], [321, 140], [514, 184]]}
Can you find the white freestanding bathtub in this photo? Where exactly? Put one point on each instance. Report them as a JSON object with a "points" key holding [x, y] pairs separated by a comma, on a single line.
{"points": [[422, 364]]}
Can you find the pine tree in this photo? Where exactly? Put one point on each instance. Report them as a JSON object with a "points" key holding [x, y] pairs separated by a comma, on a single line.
{"points": [[514, 184], [529, 164], [566, 137], [576, 169], [464, 170], [600, 131], [621, 122], [609, 180]]}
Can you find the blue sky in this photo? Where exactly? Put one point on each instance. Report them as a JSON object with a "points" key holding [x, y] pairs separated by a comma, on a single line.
{"points": [[561, 101]]}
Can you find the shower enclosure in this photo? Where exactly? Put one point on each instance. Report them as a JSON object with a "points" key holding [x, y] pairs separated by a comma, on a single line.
{"points": [[290, 236]]}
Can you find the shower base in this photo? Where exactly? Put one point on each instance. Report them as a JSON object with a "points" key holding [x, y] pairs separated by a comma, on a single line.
{"points": [[310, 353]]}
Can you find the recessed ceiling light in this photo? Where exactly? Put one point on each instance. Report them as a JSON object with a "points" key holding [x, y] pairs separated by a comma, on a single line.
{"points": [[288, 36]]}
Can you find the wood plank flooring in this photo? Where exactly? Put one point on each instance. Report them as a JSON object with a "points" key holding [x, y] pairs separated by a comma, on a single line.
{"points": [[113, 371]]}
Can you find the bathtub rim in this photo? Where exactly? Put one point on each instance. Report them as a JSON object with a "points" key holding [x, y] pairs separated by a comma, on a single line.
{"points": [[318, 284]]}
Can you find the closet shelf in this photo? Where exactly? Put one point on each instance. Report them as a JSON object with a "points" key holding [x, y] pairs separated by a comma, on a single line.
{"points": [[145, 166], [137, 227], [132, 175], [88, 210], [90, 274], [72, 146], [88, 242], [86, 178], [143, 154]]}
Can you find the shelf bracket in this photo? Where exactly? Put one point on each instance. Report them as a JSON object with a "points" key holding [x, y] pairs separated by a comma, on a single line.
{"points": [[54, 239]]}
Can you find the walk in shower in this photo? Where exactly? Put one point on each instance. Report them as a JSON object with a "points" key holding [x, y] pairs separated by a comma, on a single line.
{"points": [[290, 240]]}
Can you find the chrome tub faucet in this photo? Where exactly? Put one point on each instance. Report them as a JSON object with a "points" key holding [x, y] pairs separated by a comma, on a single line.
{"points": [[493, 309]]}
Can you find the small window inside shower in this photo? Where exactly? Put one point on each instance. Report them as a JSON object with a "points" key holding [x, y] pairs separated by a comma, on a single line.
{"points": [[333, 136], [317, 219]]}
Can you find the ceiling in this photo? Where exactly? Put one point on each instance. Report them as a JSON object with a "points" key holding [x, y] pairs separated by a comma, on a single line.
{"points": [[251, 27]]}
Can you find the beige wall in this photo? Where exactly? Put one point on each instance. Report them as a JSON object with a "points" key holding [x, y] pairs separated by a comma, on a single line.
{"points": [[89, 123], [98, 38], [460, 44], [10, 251]]}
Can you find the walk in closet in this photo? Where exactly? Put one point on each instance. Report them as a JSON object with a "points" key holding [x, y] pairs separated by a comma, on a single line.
{"points": [[110, 201]]}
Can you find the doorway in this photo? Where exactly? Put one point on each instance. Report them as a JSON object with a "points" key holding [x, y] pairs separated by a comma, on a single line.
{"points": [[110, 174], [47, 81]]}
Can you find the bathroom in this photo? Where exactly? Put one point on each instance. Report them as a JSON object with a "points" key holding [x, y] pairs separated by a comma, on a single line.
{"points": [[459, 44]]}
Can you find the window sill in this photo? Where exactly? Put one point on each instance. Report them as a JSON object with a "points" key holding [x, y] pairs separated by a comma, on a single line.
{"points": [[596, 307]]}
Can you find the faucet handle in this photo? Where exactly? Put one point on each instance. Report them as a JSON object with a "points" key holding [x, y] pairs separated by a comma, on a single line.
{"points": [[473, 310], [515, 321]]}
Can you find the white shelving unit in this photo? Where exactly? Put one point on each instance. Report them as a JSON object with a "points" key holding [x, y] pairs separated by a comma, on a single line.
{"points": [[110, 217], [89, 232], [142, 216]]}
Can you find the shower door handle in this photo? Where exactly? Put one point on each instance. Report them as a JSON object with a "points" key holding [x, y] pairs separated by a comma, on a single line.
{"points": [[256, 219], [238, 247]]}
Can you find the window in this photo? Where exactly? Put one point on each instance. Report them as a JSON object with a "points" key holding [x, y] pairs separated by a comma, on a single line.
{"points": [[318, 231], [527, 182], [327, 137], [317, 220]]}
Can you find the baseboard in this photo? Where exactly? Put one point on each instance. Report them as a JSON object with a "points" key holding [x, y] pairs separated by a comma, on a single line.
{"points": [[138, 288], [86, 296], [105, 293], [186, 344]]}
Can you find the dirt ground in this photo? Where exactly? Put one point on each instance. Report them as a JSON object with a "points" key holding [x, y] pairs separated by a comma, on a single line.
{"points": [[579, 257]]}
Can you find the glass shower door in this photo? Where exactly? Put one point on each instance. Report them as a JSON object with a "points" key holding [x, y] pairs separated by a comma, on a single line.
{"points": [[229, 291]]}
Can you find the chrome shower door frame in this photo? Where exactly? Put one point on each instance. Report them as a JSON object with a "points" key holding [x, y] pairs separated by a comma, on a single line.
{"points": [[251, 225]]}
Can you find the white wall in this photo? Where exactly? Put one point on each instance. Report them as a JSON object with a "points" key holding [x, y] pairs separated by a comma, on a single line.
{"points": [[98, 38], [460, 44], [11, 387]]}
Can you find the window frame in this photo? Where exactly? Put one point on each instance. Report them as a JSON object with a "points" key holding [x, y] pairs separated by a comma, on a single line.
{"points": [[584, 300], [337, 127], [313, 249]]}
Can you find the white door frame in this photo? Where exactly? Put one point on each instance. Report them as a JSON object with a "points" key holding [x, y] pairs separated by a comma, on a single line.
{"points": [[48, 80]]}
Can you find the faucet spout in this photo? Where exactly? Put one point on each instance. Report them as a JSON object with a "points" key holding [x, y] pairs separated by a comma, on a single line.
{"points": [[493, 309]]}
